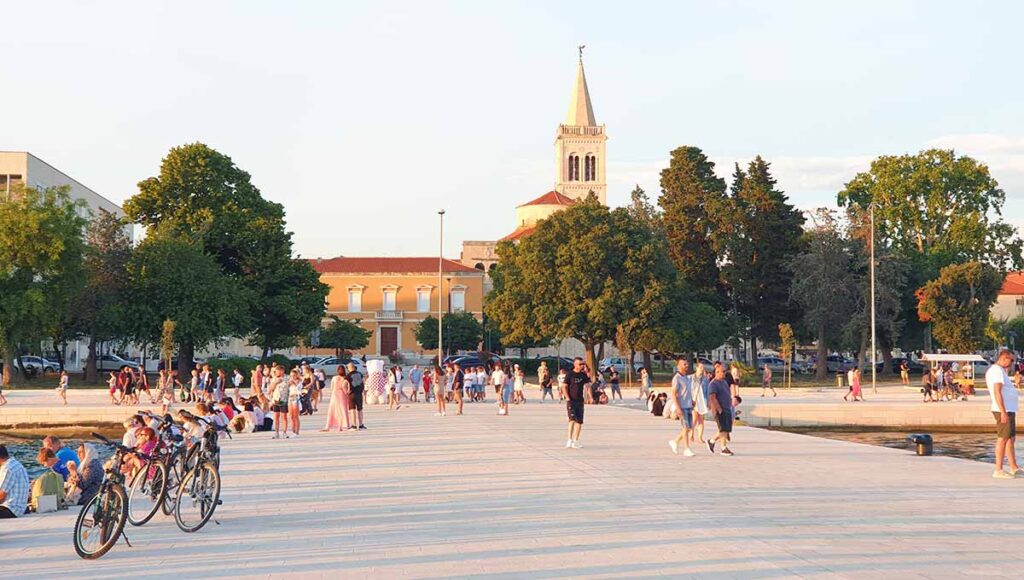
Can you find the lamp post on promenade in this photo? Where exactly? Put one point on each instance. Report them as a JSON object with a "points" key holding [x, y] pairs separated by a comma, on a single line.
{"points": [[440, 291], [874, 351]]}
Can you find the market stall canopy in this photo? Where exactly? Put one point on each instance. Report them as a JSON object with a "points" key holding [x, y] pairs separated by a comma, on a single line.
{"points": [[953, 358]]}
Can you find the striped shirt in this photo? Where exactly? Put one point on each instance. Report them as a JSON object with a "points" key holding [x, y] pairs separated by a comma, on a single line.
{"points": [[14, 481]]}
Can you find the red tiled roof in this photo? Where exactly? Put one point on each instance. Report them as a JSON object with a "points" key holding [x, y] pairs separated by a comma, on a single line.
{"points": [[343, 265], [551, 198], [520, 232], [1013, 284]]}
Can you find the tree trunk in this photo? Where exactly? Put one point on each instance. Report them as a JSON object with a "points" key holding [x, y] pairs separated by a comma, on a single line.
{"points": [[629, 368], [600, 351], [753, 350], [186, 360], [90, 363], [647, 360], [862, 350], [60, 354], [591, 363], [8, 366], [886, 356], [821, 372]]}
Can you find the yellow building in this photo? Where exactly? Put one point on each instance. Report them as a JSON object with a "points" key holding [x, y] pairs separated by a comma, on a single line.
{"points": [[390, 296]]}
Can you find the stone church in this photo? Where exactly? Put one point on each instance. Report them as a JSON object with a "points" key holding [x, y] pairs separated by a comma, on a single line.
{"points": [[580, 164]]}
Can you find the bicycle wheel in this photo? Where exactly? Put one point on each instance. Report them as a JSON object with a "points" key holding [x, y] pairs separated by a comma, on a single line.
{"points": [[146, 492], [100, 523], [198, 496], [175, 469]]}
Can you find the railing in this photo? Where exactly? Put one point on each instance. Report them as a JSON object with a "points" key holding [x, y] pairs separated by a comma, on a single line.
{"points": [[388, 315]]}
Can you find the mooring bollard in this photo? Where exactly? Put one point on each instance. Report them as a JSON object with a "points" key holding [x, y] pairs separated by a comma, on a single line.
{"points": [[923, 442]]}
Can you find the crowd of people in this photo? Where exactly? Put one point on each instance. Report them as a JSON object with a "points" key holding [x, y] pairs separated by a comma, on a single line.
{"points": [[71, 477], [692, 396]]}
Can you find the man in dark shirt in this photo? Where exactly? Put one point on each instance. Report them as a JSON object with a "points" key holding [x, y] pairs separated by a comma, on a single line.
{"points": [[720, 405], [458, 380], [576, 382]]}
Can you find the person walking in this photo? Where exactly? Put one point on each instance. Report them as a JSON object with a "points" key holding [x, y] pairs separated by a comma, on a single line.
{"points": [[458, 384], [720, 405], [278, 388], [518, 383], [429, 375], [766, 381], [682, 394], [545, 384], [645, 384], [142, 386], [236, 381], [355, 409], [294, 405], [1004, 409], [415, 376], [855, 390], [904, 372], [928, 386], [575, 392], [700, 402], [338, 411], [62, 387], [394, 394], [440, 397], [498, 381], [613, 380]]}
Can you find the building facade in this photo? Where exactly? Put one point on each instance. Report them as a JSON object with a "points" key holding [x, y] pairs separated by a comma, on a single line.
{"points": [[391, 296], [23, 168], [1010, 301]]}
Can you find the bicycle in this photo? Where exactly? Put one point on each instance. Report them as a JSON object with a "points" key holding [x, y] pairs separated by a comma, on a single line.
{"points": [[173, 454], [199, 491], [102, 518]]}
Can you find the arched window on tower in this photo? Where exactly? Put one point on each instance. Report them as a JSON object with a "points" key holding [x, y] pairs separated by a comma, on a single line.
{"points": [[587, 163], [591, 163], [574, 167]]}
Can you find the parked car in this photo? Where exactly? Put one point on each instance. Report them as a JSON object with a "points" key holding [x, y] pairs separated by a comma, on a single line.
{"points": [[836, 364], [330, 365], [310, 360], [776, 364], [38, 364], [112, 362], [619, 363]]}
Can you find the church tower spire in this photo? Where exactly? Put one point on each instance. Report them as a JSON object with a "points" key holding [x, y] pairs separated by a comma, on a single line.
{"points": [[580, 145]]}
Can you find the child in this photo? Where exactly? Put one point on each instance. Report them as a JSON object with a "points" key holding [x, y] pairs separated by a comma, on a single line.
{"points": [[112, 383], [62, 387], [518, 396]]}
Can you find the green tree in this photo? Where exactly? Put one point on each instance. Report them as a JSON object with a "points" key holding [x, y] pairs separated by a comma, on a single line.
{"points": [[99, 312], [40, 249], [173, 278], [695, 209], [344, 335], [933, 209], [957, 304], [821, 289], [201, 193], [462, 331], [766, 235], [580, 274]]}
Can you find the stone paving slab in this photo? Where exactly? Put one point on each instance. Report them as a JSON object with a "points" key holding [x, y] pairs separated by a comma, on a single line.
{"points": [[483, 496]]}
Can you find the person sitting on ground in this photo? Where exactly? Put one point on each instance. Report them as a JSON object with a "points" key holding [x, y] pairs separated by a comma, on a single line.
{"points": [[83, 482], [63, 454], [244, 422], [146, 441], [193, 427], [14, 486], [132, 426], [49, 483]]}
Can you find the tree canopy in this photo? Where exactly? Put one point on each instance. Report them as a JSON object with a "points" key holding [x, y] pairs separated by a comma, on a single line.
{"points": [[344, 335], [957, 304], [462, 331]]}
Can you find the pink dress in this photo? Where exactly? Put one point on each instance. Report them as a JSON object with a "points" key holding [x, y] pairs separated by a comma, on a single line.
{"points": [[856, 385], [337, 413]]}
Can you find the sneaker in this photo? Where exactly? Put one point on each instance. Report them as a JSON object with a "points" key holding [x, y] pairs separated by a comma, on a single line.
{"points": [[362, 427], [438, 414], [276, 436], [711, 446], [726, 452], [688, 452], [296, 435], [1000, 474], [568, 443], [674, 445], [577, 445]]}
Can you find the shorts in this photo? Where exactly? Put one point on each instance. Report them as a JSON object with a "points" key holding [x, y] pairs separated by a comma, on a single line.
{"points": [[1007, 430], [356, 399], [724, 421], [279, 407], [506, 395], [616, 389], [686, 417], [575, 411]]}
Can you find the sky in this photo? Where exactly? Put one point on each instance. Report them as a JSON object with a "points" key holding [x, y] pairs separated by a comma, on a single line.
{"points": [[366, 118]]}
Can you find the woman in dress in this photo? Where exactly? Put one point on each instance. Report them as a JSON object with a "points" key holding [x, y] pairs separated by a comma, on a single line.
{"points": [[439, 391], [855, 387], [294, 392], [517, 386], [337, 412], [700, 401]]}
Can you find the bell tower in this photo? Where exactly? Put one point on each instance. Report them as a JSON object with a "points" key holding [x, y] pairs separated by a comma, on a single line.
{"points": [[580, 159]]}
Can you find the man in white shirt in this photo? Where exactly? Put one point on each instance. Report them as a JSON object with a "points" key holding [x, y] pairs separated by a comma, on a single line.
{"points": [[1004, 409]]}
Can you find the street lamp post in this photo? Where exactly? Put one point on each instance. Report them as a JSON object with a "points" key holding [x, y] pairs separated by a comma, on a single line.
{"points": [[440, 291], [874, 351]]}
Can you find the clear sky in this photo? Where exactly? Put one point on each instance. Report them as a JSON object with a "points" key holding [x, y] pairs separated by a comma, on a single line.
{"points": [[365, 118]]}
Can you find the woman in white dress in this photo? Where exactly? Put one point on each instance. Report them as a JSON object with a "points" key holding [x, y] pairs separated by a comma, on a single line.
{"points": [[700, 402]]}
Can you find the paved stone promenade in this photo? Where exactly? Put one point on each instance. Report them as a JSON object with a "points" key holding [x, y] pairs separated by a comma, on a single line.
{"points": [[491, 497]]}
